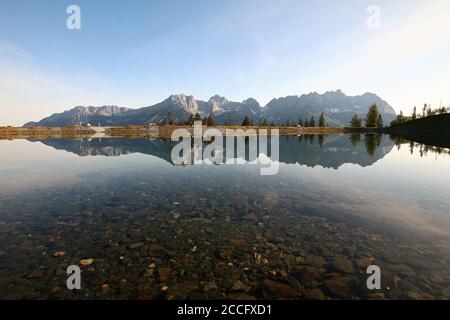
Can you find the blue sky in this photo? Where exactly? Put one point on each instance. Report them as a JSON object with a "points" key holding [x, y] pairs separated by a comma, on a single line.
{"points": [[136, 53]]}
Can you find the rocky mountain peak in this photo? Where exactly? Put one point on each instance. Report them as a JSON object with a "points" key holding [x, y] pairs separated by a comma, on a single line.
{"points": [[251, 102], [218, 99], [187, 103], [217, 102]]}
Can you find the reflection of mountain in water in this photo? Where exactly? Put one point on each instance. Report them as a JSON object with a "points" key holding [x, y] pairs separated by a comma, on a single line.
{"points": [[113, 147], [327, 151], [335, 150]]}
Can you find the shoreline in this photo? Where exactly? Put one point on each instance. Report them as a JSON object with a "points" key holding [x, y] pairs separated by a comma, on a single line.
{"points": [[157, 131]]}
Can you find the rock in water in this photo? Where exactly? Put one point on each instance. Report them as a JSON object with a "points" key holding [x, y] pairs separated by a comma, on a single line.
{"points": [[86, 262], [164, 274], [342, 264], [224, 253], [136, 245], [314, 294], [281, 290], [238, 286], [364, 262], [338, 287], [210, 286]]}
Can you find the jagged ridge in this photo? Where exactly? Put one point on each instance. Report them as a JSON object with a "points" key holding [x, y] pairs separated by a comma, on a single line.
{"points": [[337, 107]]}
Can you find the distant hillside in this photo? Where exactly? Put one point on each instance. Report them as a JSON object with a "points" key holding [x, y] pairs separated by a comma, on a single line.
{"points": [[431, 130], [337, 107]]}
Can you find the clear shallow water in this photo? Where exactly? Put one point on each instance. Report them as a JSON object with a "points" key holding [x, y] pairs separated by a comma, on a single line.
{"points": [[155, 230]]}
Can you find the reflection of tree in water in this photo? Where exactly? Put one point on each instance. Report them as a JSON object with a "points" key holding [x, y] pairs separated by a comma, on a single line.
{"points": [[321, 140], [422, 148], [372, 141], [398, 141], [355, 138]]}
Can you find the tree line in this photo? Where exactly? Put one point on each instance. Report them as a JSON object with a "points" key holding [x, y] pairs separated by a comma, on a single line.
{"points": [[426, 111], [373, 119], [246, 122]]}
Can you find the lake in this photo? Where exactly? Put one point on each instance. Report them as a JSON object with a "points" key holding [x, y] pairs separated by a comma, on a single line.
{"points": [[148, 229]]}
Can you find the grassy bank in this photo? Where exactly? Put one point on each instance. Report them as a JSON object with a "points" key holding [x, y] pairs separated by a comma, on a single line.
{"points": [[143, 131], [10, 132]]}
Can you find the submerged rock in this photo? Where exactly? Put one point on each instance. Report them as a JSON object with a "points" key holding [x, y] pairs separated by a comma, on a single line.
{"points": [[399, 268], [315, 261], [36, 274], [224, 253], [307, 274], [136, 245], [241, 296], [342, 264], [164, 274], [338, 287], [314, 294], [238, 285], [364, 262], [86, 262], [280, 289], [210, 286]]}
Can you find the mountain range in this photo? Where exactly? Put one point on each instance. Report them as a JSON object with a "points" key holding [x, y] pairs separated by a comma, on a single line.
{"points": [[337, 107]]}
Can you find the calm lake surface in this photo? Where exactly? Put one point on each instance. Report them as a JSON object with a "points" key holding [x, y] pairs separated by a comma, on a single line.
{"points": [[141, 228]]}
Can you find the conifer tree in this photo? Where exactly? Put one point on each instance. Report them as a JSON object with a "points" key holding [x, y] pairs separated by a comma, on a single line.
{"points": [[372, 117], [322, 120]]}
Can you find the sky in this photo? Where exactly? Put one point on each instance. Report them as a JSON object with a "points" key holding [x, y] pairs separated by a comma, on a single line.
{"points": [[136, 53]]}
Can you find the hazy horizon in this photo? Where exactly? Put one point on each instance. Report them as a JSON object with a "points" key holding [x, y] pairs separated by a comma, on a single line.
{"points": [[138, 54]]}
